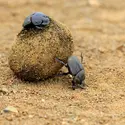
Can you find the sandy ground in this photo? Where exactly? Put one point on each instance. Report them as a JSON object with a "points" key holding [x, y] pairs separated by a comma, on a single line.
{"points": [[99, 33]]}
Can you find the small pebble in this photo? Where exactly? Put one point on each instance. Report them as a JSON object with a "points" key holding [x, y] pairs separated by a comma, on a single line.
{"points": [[101, 50], [9, 118], [30, 116], [70, 76], [10, 109], [43, 100], [94, 3], [4, 90]]}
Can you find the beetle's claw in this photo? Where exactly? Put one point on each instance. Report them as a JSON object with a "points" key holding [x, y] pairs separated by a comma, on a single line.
{"points": [[73, 87]]}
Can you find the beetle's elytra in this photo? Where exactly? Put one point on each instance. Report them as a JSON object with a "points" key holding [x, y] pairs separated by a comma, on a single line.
{"points": [[37, 20]]}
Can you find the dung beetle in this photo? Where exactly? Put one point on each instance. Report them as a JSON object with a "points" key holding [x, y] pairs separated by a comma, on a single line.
{"points": [[38, 20], [76, 70]]}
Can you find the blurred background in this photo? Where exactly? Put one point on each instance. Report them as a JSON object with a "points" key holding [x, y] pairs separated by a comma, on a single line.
{"points": [[98, 30]]}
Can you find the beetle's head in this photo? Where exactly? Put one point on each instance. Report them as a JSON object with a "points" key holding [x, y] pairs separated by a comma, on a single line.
{"points": [[79, 79]]}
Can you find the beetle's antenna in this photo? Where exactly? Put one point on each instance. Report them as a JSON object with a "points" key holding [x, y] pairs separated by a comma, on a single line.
{"points": [[81, 57]]}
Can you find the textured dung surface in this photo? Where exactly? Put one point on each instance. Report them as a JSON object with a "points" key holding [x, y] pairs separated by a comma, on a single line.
{"points": [[99, 33], [33, 54]]}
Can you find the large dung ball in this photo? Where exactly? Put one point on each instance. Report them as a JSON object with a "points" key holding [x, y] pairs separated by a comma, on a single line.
{"points": [[33, 54]]}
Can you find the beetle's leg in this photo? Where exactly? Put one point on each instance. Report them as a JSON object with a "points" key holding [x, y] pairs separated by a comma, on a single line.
{"points": [[62, 74], [73, 85], [60, 61]]}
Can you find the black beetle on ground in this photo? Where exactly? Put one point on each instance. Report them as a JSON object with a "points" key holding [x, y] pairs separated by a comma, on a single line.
{"points": [[75, 69], [38, 20]]}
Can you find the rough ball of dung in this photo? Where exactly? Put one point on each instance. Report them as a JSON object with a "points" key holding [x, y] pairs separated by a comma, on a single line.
{"points": [[32, 56]]}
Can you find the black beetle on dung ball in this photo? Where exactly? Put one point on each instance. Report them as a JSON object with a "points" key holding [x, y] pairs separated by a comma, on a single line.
{"points": [[33, 53], [75, 69], [38, 20]]}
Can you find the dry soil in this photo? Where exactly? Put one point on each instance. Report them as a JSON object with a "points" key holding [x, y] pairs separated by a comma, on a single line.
{"points": [[98, 29]]}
